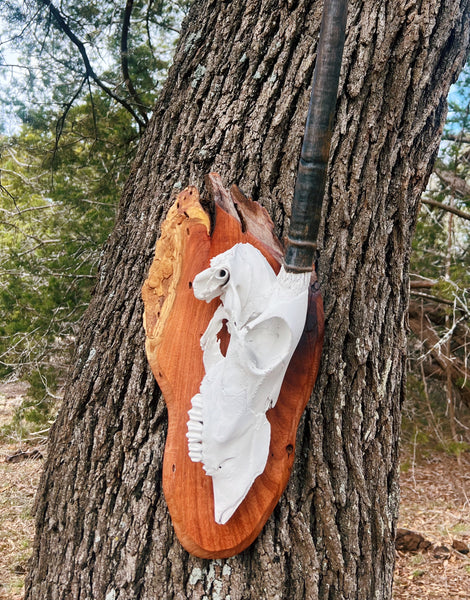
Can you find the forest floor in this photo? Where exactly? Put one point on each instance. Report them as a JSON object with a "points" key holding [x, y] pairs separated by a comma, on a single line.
{"points": [[435, 502], [18, 483]]}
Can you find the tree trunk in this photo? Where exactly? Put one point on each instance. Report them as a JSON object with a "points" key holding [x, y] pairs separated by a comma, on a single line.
{"points": [[235, 102]]}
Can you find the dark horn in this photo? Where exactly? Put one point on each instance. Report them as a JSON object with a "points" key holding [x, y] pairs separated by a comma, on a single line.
{"points": [[311, 176]]}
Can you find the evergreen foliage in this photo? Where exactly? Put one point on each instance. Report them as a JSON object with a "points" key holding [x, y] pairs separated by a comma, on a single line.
{"points": [[78, 81], [439, 381], [78, 84]]}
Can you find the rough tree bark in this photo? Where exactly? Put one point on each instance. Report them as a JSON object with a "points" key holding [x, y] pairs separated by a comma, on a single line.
{"points": [[235, 102]]}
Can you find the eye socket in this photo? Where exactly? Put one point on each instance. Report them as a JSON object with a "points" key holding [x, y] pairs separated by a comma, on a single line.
{"points": [[222, 275]]}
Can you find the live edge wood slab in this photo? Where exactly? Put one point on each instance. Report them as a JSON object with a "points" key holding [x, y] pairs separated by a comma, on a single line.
{"points": [[174, 322]]}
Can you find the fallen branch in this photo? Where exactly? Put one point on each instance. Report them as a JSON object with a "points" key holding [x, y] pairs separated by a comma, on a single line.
{"points": [[432, 298], [442, 364], [424, 283], [21, 455]]}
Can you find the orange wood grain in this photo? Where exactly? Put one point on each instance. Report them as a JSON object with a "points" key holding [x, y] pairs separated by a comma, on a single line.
{"points": [[176, 361]]}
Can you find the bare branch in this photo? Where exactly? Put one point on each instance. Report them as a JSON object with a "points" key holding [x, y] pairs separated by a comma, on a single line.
{"points": [[26, 274], [16, 66], [19, 36], [457, 303], [39, 245], [433, 342], [462, 137], [95, 202], [147, 27], [25, 210], [31, 181], [126, 21], [451, 209], [4, 190], [28, 236], [432, 298], [158, 23], [458, 185], [89, 72], [93, 112], [425, 283], [61, 121]]}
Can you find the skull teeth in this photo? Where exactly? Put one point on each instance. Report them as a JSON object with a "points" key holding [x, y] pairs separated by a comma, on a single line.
{"points": [[195, 414], [196, 401], [194, 434], [195, 426]]}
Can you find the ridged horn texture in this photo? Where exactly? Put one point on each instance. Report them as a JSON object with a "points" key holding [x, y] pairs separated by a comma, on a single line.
{"points": [[311, 176]]}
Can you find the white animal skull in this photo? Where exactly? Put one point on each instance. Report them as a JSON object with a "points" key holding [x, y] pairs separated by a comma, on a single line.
{"points": [[227, 429]]}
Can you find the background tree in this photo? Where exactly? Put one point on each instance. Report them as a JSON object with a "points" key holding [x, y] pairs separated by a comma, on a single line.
{"points": [[439, 379], [235, 102], [77, 85]]}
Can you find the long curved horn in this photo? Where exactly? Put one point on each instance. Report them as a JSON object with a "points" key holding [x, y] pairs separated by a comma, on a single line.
{"points": [[311, 177]]}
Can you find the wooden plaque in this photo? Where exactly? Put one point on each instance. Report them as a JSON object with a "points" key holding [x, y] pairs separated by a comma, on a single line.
{"points": [[174, 321]]}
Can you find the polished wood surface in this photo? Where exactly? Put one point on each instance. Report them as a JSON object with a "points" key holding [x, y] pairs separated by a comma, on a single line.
{"points": [[175, 321]]}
